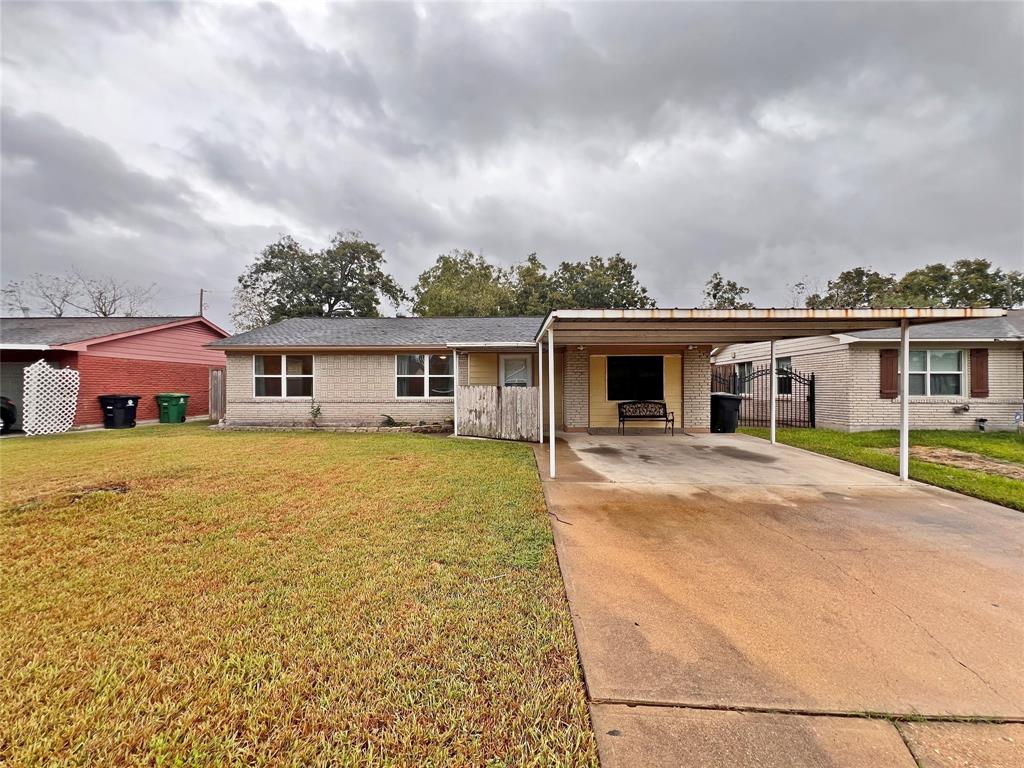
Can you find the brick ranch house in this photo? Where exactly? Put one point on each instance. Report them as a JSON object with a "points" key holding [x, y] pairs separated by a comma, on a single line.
{"points": [[361, 370], [115, 355], [960, 371]]}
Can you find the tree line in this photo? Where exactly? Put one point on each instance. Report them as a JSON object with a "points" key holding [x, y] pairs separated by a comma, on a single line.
{"points": [[347, 278]]}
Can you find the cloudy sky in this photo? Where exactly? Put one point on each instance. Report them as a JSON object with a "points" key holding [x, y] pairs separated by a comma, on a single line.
{"points": [[168, 143]]}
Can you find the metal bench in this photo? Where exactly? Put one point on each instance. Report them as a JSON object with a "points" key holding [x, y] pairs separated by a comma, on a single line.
{"points": [[646, 410]]}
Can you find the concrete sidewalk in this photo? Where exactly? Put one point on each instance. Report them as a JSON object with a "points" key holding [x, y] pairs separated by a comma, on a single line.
{"points": [[713, 574]]}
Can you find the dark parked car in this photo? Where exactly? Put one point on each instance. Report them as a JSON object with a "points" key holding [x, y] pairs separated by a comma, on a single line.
{"points": [[8, 414]]}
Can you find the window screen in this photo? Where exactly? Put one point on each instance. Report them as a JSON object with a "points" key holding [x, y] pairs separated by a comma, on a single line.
{"points": [[635, 377]]}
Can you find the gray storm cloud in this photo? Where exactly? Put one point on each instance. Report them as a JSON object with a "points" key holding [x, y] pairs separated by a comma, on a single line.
{"points": [[771, 141]]}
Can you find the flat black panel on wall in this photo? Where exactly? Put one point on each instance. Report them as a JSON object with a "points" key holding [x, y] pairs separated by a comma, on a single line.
{"points": [[636, 377]]}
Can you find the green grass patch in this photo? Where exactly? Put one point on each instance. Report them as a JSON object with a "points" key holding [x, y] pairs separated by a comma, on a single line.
{"points": [[874, 449], [180, 597]]}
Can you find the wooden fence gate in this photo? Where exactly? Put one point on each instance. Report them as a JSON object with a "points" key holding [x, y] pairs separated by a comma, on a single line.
{"points": [[217, 394], [508, 413]]}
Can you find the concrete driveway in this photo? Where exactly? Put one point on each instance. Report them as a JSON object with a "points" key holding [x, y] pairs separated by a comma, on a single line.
{"points": [[738, 603]]}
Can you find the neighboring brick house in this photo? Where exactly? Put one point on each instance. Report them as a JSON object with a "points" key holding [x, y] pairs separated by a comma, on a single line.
{"points": [[115, 355], [960, 371]]}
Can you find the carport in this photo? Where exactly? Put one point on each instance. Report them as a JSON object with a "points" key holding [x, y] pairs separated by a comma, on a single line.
{"points": [[690, 334]]}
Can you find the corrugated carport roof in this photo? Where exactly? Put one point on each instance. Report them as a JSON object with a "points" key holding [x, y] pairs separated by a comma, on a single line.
{"points": [[731, 326]]}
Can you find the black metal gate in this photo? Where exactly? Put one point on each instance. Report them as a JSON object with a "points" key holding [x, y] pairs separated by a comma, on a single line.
{"points": [[794, 404]]}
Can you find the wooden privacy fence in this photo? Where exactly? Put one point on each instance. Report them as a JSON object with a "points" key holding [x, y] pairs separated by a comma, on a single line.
{"points": [[508, 413], [217, 394]]}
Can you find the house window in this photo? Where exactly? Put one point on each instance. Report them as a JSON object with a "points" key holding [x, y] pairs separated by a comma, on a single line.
{"points": [[783, 365], [636, 377], [936, 372], [424, 375], [283, 375], [515, 370], [743, 373]]}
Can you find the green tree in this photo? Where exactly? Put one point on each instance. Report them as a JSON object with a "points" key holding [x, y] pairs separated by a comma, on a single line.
{"points": [[966, 283], [720, 293], [530, 291], [974, 283], [462, 283], [929, 286], [858, 287], [345, 279], [598, 284]]}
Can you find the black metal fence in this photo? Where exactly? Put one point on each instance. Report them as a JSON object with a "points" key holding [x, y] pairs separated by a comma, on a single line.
{"points": [[794, 404]]}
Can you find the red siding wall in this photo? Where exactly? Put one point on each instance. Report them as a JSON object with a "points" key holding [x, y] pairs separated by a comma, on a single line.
{"points": [[103, 375], [182, 344]]}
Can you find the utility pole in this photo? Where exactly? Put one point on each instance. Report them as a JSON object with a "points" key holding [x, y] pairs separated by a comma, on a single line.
{"points": [[200, 302]]}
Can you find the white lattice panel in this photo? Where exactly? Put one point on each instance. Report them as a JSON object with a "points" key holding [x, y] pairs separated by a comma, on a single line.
{"points": [[49, 399]]}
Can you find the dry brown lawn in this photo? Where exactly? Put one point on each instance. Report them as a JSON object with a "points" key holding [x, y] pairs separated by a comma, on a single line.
{"points": [[178, 597]]}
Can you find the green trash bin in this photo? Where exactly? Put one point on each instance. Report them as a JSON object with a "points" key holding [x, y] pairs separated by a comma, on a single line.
{"points": [[172, 407]]}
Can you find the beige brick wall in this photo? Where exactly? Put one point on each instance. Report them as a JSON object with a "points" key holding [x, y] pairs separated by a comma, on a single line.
{"points": [[868, 411], [352, 390], [577, 388], [697, 389], [831, 371]]}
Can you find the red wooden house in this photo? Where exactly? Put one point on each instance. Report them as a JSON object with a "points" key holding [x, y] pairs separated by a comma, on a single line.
{"points": [[115, 355]]}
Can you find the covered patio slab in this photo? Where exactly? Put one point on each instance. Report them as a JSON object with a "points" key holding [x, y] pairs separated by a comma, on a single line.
{"points": [[719, 574]]}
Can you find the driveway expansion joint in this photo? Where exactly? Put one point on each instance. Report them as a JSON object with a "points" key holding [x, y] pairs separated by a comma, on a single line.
{"points": [[899, 717]]}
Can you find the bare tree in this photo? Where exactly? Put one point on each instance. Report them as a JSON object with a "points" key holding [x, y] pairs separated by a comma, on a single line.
{"points": [[50, 294], [57, 295], [109, 297], [14, 298], [53, 292]]}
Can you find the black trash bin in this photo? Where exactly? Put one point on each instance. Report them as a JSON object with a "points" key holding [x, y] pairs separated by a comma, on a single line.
{"points": [[119, 411], [725, 411]]}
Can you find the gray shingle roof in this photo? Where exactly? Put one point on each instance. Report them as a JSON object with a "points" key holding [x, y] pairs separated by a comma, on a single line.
{"points": [[67, 330], [387, 332], [1009, 327]]}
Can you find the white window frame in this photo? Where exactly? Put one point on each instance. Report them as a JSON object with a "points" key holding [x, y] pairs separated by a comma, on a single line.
{"points": [[927, 373], [284, 377], [501, 367], [425, 376], [778, 385], [739, 376]]}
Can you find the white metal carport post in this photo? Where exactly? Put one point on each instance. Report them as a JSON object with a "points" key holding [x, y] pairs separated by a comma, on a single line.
{"points": [[540, 392], [904, 399], [551, 401], [774, 392], [455, 403]]}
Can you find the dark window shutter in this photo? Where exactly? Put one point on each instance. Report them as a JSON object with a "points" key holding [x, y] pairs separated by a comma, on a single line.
{"points": [[979, 373], [888, 382]]}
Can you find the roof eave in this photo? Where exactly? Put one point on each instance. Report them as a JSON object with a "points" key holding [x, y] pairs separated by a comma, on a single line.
{"points": [[489, 344], [954, 340], [82, 345]]}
